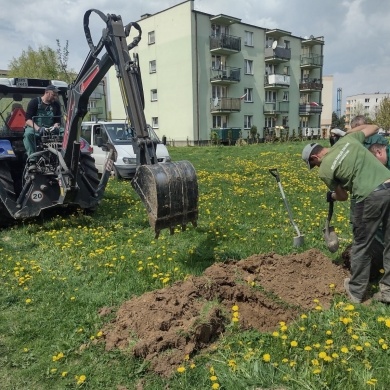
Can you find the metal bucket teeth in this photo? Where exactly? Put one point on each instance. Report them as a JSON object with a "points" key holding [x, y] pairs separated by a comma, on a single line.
{"points": [[170, 194]]}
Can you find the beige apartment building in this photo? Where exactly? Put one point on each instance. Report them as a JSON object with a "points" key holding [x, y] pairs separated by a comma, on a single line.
{"points": [[205, 75]]}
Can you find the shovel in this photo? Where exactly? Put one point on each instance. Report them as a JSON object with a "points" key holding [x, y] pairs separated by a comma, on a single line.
{"points": [[298, 240], [330, 235]]}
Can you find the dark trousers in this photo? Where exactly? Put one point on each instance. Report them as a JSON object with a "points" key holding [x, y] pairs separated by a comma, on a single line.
{"points": [[368, 216]]}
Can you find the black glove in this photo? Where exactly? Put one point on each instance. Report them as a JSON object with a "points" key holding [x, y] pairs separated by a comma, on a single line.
{"points": [[329, 196], [42, 131]]}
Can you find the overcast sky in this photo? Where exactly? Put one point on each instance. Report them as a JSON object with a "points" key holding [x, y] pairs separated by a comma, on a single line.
{"points": [[356, 32]]}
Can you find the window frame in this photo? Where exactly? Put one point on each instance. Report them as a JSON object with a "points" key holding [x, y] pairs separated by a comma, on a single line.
{"points": [[155, 124], [151, 37], [153, 95], [248, 66], [152, 66]]}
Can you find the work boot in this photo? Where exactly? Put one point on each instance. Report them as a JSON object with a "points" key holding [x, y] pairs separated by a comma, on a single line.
{"points": [[350, 296], [381, 298]]}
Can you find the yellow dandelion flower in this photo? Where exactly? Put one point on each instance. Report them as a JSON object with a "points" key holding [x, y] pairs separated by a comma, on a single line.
{"points": [[307, 348], [294, 343], [28, 301], [80, 379], [181, 369], [64, 374], [303, 316], [235, 308], [213, 378], [215, 386], [267, 357], [322, 355], [344, 350], [385, 346]]}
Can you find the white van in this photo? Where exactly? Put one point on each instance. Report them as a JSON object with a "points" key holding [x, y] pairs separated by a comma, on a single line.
{"points": [[120, 135]]}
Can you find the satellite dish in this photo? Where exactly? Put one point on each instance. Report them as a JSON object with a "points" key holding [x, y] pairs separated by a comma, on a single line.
{"points": [[215, 101], [274, 44]]}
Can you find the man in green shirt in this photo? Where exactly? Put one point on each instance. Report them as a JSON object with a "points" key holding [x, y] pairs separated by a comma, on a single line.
{"points": [[349, 167]]}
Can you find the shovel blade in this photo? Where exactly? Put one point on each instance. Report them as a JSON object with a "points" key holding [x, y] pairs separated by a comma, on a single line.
{"points": [[331, 239], [298, 241]]}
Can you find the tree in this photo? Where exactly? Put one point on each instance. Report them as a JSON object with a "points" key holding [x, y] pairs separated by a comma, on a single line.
{"points": [[45, 63], [337, 122], [383, 114]]}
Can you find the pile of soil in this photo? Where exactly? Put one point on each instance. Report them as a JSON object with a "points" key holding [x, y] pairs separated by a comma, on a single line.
{"points": [[164, 326]]}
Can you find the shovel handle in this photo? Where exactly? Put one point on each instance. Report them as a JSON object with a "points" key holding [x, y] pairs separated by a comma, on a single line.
{"points": [[275, 174], [330, 211]]}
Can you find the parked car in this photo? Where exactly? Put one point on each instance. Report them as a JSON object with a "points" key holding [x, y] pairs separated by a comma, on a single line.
{"points": [[120, 135]]}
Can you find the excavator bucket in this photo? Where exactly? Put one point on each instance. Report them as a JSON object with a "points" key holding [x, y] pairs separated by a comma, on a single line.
{"points": [[169, 192]]}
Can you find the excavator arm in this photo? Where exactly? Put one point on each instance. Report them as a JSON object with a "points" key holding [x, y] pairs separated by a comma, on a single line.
{"points": [[168, 190]]}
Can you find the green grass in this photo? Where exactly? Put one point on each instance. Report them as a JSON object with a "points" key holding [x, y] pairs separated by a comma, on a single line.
{"points": [[55, 276]]}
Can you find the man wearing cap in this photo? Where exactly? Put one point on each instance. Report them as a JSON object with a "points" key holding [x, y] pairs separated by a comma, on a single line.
{"points": [[42, 112], [349, 167]]}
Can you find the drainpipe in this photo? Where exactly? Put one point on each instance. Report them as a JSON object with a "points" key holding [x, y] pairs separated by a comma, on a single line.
{"points": [[197, 77]]}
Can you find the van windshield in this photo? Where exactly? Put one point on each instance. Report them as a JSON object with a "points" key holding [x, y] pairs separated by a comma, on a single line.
{"points": [[120, 134]]}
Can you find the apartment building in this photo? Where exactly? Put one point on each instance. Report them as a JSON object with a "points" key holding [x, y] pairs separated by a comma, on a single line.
{"points": [[209, 74], [363, 104]]}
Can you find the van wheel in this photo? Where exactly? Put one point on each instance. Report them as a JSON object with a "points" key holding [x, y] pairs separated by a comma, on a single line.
{"points": [[116, 174]]}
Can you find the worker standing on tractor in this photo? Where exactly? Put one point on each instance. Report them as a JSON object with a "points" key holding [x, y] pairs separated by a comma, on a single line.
{"points": [[349, 167], [42, 112]]}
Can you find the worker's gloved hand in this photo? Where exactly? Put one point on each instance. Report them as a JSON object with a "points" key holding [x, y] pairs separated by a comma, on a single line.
{"points": [[42, 131], [329, 196]]}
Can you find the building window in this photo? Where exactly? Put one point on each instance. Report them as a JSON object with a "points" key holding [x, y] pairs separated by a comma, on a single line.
{"points": [[248, 95], [155, 122], [248, 38], [366, 100], [152, 66], [270, 96], [286, 70], [286, 44], [153, 95], [285, 96], [248, 67], [91, 104], [217, 121], [248, 121], [151, 39]]}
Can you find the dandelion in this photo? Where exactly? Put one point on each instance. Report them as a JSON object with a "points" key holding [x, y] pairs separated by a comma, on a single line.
{"points": [[181, 369], [213, 378], [235, 308], [80, 379], [64, 374], [308, 348], [344, 350], [28, 301], [385, 346], [294, 343], [303, 316], [267, 357], [99, 334], [215, 386], [317, 371]]}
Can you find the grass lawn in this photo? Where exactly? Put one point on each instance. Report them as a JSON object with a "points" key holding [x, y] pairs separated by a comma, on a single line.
{"points": [[55, 275]]}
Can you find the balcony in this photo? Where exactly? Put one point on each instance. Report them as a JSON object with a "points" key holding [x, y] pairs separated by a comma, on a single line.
{"points": [[275, 107], [311, 61], [95, 110], [309, 84], [225, 75], [225, 105], [276, 81], [312, 108], [277, 55], [225, 44]]}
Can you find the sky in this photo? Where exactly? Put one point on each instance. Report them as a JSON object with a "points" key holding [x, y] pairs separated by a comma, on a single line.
{"points": [[356, 32]]}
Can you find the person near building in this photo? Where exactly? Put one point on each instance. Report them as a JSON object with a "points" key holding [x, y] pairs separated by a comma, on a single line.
{"points": [[348, 167], [42, 112]]}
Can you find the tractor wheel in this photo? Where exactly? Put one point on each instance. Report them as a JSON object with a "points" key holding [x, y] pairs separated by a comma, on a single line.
{"points": [[87, 164], [7, 184]]}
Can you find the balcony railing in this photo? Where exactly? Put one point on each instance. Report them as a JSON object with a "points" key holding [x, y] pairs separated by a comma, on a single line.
{"points": [[225, 104], [225, 73], [276, 107], [310, 84], [310, 108], [279, 54], [312, 61], [224, 43], [277, 80], [95, 110]]}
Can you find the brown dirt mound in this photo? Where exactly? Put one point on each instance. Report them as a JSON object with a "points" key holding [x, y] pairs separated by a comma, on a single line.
{"points": [[165, 325]]}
